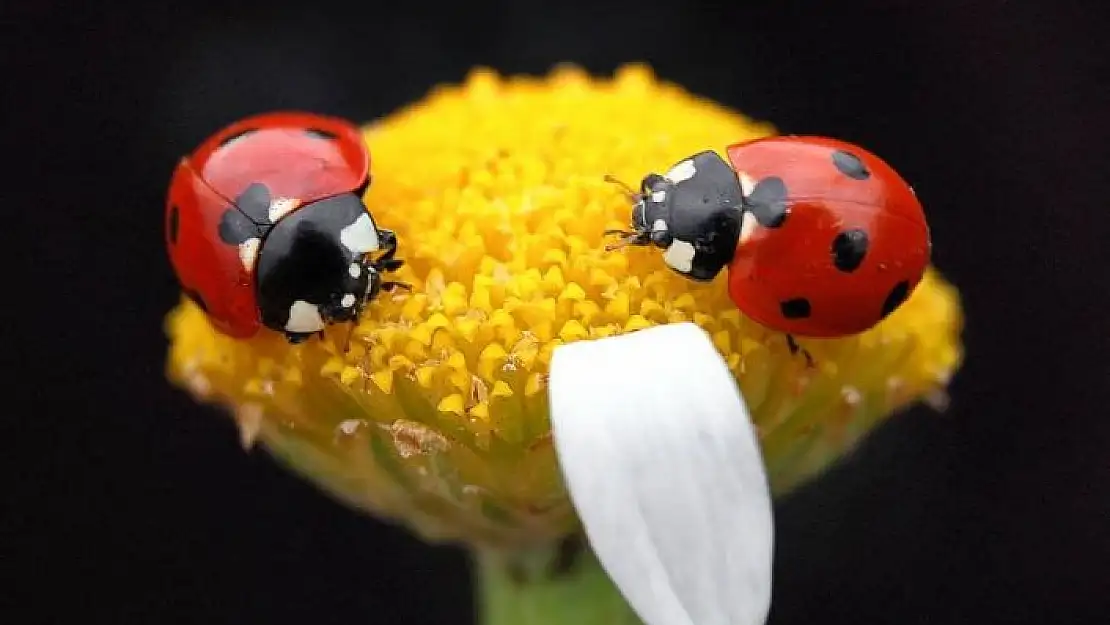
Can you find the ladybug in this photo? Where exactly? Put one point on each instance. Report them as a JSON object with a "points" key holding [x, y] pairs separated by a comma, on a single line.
{"points": [[821, 238], [265, 226]]}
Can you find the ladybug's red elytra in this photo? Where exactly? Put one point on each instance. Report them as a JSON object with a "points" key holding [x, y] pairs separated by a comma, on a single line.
{"points": [[266, 227], [822, 238]]}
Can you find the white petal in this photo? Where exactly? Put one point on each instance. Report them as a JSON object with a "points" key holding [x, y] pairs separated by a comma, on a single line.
{"points": [[662, 463]]}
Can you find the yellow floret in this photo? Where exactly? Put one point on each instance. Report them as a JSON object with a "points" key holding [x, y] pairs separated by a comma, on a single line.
{"points": [[435, 414]]}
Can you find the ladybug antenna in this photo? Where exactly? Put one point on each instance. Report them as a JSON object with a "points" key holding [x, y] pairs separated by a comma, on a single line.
{"points": [[633, 196], [795, 349]]}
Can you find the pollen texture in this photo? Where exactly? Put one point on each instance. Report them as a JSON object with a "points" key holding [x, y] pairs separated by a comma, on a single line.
{"points": [[432, 411]]}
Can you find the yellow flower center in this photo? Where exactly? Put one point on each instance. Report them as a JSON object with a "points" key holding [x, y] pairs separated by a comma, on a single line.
{"points": [[433, 409]]}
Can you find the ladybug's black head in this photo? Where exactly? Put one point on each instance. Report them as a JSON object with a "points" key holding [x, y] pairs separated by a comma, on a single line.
{"points": [[693, 213], [314, 266], [648, 223]]}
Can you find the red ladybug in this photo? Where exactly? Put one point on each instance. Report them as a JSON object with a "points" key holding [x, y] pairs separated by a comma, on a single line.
{"points": [[821, 237], [266, 227]]}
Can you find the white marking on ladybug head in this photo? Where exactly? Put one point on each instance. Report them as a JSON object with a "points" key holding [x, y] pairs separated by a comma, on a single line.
{"points": [[248, 253], [659, 196], [304, 317], [747, 185], [659, 226], [682, 171], [680, 256], [747, 226], [282, 206], [348, 300], [361, 236], [355, 270]]}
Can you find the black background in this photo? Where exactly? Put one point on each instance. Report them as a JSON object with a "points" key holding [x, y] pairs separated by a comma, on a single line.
{"points": [[133, 504]]}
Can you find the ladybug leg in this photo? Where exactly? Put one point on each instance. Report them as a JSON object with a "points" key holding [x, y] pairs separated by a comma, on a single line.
{"points": [[296, 338], [795, 348], [393, 264], [390, 285], [387, 264], [352, 325], [627, 238]]}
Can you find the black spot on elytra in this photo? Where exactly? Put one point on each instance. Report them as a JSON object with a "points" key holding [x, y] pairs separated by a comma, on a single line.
{"points": [[895, 298], [235, 228], [848, 249], [850, 165], [797, 308], [235, 137], [197, 299], [320, 134], [254, 202], [767, 202], [174, 223]]}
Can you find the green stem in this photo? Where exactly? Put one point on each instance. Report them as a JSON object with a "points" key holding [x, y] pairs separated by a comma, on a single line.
{"points": [[562, 585]]}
